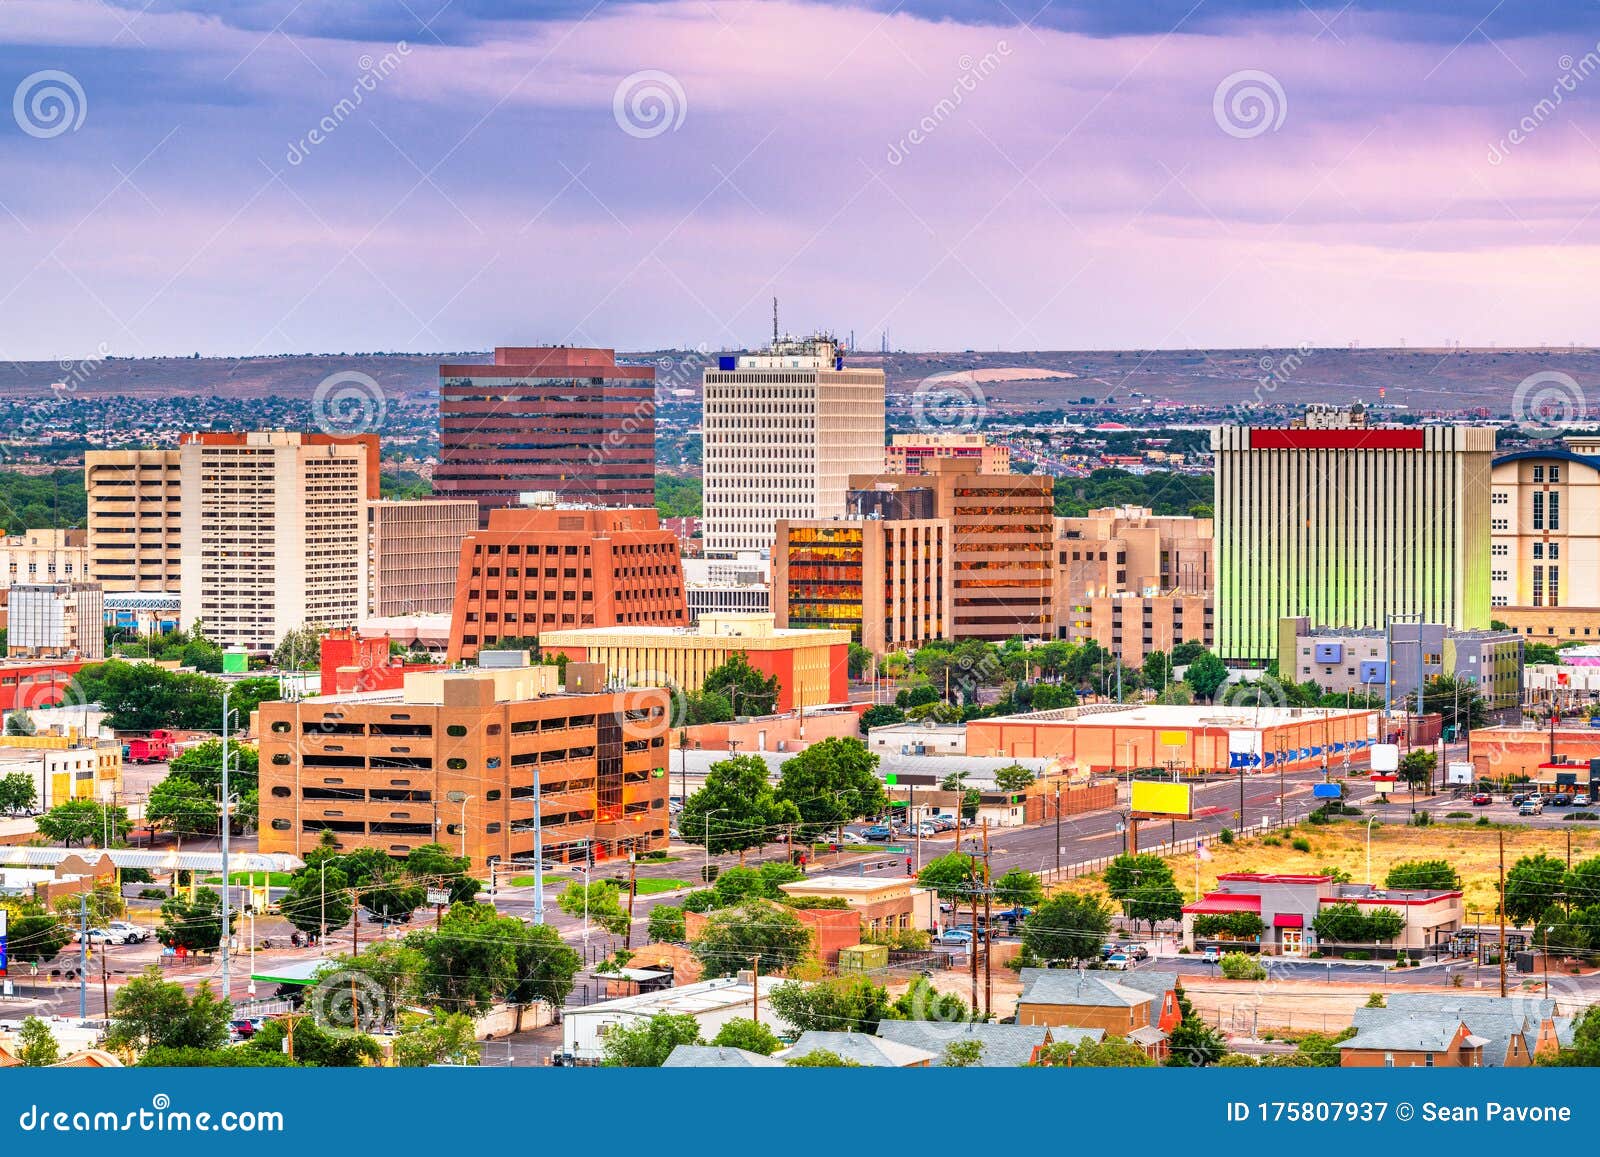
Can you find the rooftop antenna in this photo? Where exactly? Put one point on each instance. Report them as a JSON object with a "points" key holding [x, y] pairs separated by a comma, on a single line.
{"points": [[774, 323]]}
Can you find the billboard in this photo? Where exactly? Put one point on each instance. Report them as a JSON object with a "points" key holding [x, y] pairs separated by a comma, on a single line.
{"points": [[1167, 800], [1174, 739], [3, 915], [1327, 791], [1385, 757]]}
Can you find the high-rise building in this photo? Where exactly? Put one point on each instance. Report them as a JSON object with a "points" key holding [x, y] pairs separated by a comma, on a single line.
{"points": [[135, 540], [58, 620], [999, 545], [413, 553], [462, 758], [910, 453], [551, 568], [1544, 534], [540, 418], [275, 533], [44, 556], [1348, 525], [783, 431]]}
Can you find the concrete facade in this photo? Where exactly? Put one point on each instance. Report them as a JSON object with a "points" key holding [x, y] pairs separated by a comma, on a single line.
{"points": [[414, 552], [1343, 660], [135, 519]]}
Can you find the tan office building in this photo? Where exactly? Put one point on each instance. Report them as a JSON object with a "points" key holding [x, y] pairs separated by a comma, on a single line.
{"points": [[1348, 526], [784, 429], [462, 758], [914, 453], [44, 556], [1544, 535], [135, 541], [275, 533], [413, 552], [60, 620]]}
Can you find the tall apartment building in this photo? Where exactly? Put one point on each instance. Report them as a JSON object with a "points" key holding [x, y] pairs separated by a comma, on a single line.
{"points": [[547, 418], [1544, 535], [275, 532], [1000, 539], [58, 620], [1348, 525], [135, 523], [1133, 581], [463, 758], [550, 568], [44, 556], [911, 453], [413, 553], [783, 431]]}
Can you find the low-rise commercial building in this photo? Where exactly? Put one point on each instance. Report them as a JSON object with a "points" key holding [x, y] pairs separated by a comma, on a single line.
{"points": [[64, 766], [56, 620], [1140, 1007], [1344, 660], [463, 758], [812, 667], [543, 567], [712, 1003], [884, 904], [915, 453], [44, 556]]}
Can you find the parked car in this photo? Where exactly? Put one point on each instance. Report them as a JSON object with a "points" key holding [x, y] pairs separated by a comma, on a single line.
{"points": [[130, 933], [1580, 800], [852, 838], [1482, 799], [1559, 799], [1519, 799], [1139, 952], [943, 824], [1530, 807], [1106, 950], [878, 833], [1118, 960], [1212, 954], [242, 1029], [955, 936], [927, 828]]}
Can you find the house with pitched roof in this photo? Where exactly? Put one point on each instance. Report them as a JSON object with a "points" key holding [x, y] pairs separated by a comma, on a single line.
{"points": [[868, 1051], [1139, 1006], [717, 1057], [1005, 1046]]}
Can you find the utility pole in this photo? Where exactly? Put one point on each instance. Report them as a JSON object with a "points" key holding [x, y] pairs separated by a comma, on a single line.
{"points": [[972, 884], [83, 955], [988, 930], [1058, 833], [227, 879], [755, 988], [633, 890], [1502, 914]]}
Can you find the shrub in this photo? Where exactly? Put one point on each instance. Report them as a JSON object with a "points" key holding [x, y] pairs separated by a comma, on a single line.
{"points": [[1238, 966], [1483, 821], [1357, 954], [152, 893], [1421, 820], [1271, 842], [1225, 836], [1459, 816], [1376, 1000], [1300, 844], [1581, 816]]}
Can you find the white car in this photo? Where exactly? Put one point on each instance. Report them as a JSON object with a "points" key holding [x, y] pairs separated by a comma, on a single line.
{"points": [[854, 838], [130, 933]]}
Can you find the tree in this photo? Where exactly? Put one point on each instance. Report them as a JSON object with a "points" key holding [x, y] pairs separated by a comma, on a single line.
{"points": [[194, 926], [951, 875], [18, 793], [750, 1035], [962, 1054], [736, 809], [599, 900], [443, 1038], [836, 1004], [1067, 927], [383, 887], [821, 1059], [1430, 874], [1126, 873], [317, 895], [734, 937], [922, 1001], [1157, 669], [102, 904], [389, 968], [1582, 884], [832, 782], [667, 924], [19, 722], [34, 935], [1417, 767], [750, 692], [859, 660], [300, 649], [150, 1012], [1584, 1051], [1154, 903], [1013, 777], [648, 1044], [1241, 966], [184, 807], [317, 1046], [1194, 1044], [478, 957], [881, 715], [1532, 886], [1456, 702], [36, 1044], [202, 764], [1112, 1052], [1205, 675], [1018, 888], [81, 820]]}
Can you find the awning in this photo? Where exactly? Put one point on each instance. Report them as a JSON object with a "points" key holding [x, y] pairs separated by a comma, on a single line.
{"points": [[1288, 920], [1221, 903]]}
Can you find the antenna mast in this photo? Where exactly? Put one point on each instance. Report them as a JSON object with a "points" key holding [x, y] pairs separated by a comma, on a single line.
{"points": [[774, 323]]}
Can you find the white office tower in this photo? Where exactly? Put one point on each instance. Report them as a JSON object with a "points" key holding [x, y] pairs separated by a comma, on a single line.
{"points": [[783, 431]]}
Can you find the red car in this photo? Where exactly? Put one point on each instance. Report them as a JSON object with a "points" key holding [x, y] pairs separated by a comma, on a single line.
{"points": [[1482, 799]]}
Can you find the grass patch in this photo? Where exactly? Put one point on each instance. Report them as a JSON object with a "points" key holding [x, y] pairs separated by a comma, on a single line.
{"points": [[271, 879], [647, 885], [650, 885]]}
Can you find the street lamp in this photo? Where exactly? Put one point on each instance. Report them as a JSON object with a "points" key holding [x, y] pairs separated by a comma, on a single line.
{"points": [[461, 798], [584, 868]]}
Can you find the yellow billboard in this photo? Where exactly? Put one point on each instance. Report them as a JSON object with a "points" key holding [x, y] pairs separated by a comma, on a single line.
{"points": [[1174, 739], [1161, 799]]}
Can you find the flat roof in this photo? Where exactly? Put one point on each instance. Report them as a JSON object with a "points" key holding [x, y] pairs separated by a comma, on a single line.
{"points": [[159, 860], [1178, 716], [848, 883], [692, 999]]}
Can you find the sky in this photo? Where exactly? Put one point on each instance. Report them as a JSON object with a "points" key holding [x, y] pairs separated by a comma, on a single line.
{"points": [[283, 176]]}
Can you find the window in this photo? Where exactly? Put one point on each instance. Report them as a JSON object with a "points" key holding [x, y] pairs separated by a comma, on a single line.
{"points": [[1555, 510], [457, 764], [1538, 550], [1538, 510], [455, 730], [1538, 473]]}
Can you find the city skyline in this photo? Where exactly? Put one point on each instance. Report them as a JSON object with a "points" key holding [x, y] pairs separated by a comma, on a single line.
{"points": [[649, 175]]}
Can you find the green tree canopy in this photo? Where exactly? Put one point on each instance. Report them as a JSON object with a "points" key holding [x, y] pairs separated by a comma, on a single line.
{"points": [[34, 935], [478, 957], [1532, 885], [184, 807], [1067, 927], [318, 895], [1432, 874], [18, 793], [1126, 873], [750, 1035], [835, 1004], [77, 821], [443, 1038], [36, 1044], [748, 690], [1112, 1052], [1205, 675], [195, 926], [736, 809], [952, 876], [151, 1012], [648, 1045], [1014, 777], [317, 1046], [1018, 888], [734, 937], [832, 782]]}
